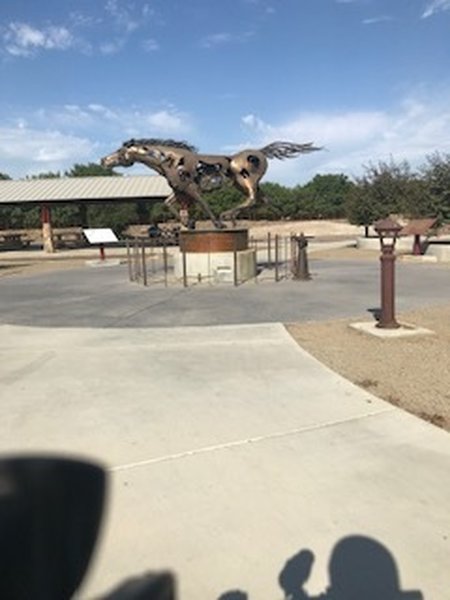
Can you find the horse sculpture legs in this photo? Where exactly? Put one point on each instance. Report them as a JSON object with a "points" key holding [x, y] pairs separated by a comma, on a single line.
{"points": [[192, 196], [253, 193]]}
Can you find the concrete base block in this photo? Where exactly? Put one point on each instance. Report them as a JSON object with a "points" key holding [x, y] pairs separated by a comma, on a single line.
{"points": [[403, 244], [405, 330], [417, 259], [440, 252], [216, 267]]}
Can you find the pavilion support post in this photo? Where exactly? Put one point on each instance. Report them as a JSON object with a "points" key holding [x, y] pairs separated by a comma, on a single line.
{"points": [[83, 216], [47, 233]]}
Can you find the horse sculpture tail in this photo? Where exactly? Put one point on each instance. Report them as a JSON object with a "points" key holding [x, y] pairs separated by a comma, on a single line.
{"points": [[282, 150]]}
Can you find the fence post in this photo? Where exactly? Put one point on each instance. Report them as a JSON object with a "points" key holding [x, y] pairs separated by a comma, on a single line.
{"points": [[235, 264], [129, 264], [144, 264], [269, 250], [183, 257], [277, 258], [165, 263], [136, 263], [255, 245]]}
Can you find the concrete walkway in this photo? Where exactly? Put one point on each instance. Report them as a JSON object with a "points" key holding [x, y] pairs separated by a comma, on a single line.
{"points": [[229, 450]]}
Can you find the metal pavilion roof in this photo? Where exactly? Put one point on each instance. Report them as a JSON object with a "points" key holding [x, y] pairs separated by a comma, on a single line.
{"points": [[84, 189]]}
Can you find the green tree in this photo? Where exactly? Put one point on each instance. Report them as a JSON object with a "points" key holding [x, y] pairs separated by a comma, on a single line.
{"points": [[436, 177], [4, 176], [91, 170], [326, 195], [385, 188], [45, 175], [116, 215], [281, 202]]}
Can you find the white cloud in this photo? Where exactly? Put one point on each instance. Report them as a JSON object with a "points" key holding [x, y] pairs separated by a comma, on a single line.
{"points": [[25, 150], [222, 38], [122, 16], [411, 131], [166, 121], [150, 45], [112, 47], [109, 121], [380, 19], [435, 6], [21, 39], [27, 145]]}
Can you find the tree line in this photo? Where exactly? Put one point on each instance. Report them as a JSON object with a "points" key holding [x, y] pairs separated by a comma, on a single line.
{"points": [[384, 188]]}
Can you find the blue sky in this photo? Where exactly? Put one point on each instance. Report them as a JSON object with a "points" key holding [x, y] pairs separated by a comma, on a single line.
{"points": [[367, 79]]}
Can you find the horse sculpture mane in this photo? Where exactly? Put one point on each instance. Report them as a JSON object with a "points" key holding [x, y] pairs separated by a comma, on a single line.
{"points": [[169, 143], [190, 173]]}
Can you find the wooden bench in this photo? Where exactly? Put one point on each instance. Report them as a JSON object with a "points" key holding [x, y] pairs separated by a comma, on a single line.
{"points": [[68, 237], [14, 240]]}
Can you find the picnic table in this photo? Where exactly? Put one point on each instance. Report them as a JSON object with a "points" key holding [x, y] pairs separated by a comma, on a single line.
{"points": [[418, 228], [14, 239]]}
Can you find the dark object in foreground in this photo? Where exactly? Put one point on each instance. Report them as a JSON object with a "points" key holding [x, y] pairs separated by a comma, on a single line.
{"points": [[50, 513], [152, 586]]}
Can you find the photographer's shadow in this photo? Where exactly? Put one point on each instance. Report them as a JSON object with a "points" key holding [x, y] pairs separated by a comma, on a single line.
{"points": [[360, 568]]}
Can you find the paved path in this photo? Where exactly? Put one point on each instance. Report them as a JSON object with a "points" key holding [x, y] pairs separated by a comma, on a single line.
{"points": [[103, 297], [230, 449]]}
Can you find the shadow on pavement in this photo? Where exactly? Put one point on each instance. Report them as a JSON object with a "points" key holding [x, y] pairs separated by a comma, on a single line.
{"points": [[360, 568]]}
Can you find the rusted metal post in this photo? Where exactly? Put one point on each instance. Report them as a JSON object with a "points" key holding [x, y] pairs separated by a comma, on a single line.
{"points": [[254, 244], [286, 257], [165, 263], [387, 317], [137, 270], [300, 269], [417, 245], [235, 265], [388, 231], [144, 264], [183, 261], [277, 258], [269, 250], [130, 266]]}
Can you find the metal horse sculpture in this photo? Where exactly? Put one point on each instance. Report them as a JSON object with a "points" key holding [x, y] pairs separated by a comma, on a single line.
{"points": [[189, 173]]}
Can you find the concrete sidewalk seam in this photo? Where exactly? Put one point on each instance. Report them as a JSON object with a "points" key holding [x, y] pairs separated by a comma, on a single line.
{"points": [[251, 440]]}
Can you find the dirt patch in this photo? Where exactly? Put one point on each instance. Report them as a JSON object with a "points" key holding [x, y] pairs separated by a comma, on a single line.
{"points": [[412, 373]]}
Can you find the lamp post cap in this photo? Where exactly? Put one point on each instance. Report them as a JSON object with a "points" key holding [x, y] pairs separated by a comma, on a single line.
{"points": [[387, 226]]}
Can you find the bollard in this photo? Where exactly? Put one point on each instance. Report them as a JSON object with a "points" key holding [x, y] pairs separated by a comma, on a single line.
{"points": [[301, 271], [387, 230]]}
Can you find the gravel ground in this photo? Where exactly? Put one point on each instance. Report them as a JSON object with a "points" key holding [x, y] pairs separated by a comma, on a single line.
{"points": [[413, 373]]}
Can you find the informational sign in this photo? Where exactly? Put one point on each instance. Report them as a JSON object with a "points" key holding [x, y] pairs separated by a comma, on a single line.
{"points": [[100, 236]]}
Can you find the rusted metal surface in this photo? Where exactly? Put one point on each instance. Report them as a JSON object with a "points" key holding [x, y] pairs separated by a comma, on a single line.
{"points": [[300, 269], [387, 316], [222, 240], [418, 227]]}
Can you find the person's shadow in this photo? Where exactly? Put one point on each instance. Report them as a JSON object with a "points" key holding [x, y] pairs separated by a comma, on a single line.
{"points": [[360, 568]]}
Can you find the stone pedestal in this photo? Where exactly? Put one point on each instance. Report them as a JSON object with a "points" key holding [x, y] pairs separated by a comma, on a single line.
{"points": [[216, 256]]}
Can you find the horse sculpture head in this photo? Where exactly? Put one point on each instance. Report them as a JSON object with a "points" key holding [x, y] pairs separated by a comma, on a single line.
{"points": [[152, 152], [123, 157]]}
